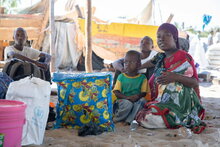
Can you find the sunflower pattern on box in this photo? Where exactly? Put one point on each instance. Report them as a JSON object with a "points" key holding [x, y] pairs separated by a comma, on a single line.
{"points": [[84, 98]]}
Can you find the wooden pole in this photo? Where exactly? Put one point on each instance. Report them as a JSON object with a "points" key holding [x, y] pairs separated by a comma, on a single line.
{"points": [[38, 43], [1, 51], [52, 36], [88, 56], [79, 11], [170, 18]]}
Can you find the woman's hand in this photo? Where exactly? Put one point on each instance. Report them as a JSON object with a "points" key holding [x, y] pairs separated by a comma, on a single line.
{"points": [[167, 77], [170, 77]]}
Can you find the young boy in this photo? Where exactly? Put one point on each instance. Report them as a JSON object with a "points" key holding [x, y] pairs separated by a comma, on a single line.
{"points": [[130, 88], [146, 46], [147, 53], [24, 53]]}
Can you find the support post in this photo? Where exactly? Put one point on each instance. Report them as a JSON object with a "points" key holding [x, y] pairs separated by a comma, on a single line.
{"points": [[170, 18], [38, 43], [52, 36], [88, 56]]}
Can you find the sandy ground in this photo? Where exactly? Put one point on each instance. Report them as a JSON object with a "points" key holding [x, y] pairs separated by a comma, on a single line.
{"points": [[123, 137]]}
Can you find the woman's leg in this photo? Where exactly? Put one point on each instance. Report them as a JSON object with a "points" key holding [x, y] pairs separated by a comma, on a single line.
{"points": [[153, 122]]}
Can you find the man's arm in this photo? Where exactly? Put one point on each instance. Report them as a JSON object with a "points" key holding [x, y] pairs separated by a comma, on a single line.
{"points": [[47, 57], [151, 63], [147, 64], [118, 65], [12, 55]]}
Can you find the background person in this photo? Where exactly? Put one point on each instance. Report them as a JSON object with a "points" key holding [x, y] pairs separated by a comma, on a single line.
{"points": [[146, 46], [25, 53]]}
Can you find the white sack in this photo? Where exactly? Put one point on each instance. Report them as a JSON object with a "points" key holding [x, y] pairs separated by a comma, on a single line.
{"points": [[36, 94]]}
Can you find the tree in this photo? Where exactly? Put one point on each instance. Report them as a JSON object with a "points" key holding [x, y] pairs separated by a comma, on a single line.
{"points": [[9, 5]]}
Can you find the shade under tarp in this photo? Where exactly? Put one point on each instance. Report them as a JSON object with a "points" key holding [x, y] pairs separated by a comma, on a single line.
{"points": [[67, 52]]}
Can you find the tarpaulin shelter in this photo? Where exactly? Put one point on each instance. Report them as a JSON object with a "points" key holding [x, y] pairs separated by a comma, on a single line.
{"points": [[110, 41], [34, 23]]}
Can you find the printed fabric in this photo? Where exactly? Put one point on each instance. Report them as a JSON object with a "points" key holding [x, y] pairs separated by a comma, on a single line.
{"points": [[84, 98], [177, 104]]}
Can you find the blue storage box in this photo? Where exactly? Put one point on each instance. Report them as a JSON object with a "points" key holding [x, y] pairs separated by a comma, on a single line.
{"points": [[84, 98]]}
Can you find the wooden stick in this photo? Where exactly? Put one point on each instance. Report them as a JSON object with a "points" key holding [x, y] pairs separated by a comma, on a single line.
{"points": [[37, 44], [1, 50], [88, 56], [170, 18], [79, 11]]}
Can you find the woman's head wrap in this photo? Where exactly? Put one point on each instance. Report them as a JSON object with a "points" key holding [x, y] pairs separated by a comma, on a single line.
{"points": [[172, 29]]}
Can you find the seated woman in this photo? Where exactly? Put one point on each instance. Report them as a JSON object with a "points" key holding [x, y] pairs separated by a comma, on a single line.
{"points": [[172, 84]]}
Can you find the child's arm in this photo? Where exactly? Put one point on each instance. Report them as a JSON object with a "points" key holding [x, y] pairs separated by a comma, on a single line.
{"points": [[132, 98], [119, 95], [117, 89], [143, 92], [136, 97]]}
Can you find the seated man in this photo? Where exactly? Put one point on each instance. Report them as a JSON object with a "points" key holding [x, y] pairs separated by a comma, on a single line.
{"points": [[24, 53]]}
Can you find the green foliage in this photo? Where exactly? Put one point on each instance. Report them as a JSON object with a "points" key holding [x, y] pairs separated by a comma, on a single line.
{"points": [[204, 34], [9, 5], [194, 31], [177, 25]]}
